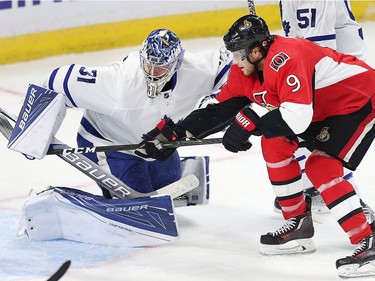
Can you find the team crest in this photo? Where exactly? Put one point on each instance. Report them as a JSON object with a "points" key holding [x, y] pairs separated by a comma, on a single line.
{"points": [[247, 24], [324, 135], [278, 61], [260, 98]]}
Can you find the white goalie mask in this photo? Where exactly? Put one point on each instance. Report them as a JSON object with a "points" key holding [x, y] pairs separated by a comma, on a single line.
{"points": [[161, 56]]}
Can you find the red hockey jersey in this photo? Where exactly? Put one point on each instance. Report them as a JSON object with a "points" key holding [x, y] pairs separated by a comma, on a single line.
{"points": [[305, 82]]}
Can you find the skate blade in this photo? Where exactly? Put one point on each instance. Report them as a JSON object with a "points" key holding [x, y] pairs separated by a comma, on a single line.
{"points": [[355, 270], [317, 217], [321, 211], [294, 247]]}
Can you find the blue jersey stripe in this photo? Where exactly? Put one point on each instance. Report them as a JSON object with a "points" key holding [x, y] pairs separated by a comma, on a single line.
{"points": [[322, 37], [300, 158], [90, 129], [352, 17], [66, 90], [348, 176], [222, 73], [52, 78]]}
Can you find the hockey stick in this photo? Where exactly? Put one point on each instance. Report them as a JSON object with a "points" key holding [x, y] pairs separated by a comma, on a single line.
{"points": [[91, 149], [60, 272], [101, 177], [251, 6]]}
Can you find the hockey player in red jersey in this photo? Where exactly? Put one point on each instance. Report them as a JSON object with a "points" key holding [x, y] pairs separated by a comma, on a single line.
{"points": [[324, 100], [317, 98], [330, 24]]}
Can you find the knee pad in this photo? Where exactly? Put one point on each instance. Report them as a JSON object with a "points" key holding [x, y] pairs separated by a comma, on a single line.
{"points": [[277, 149], [279, 156], [322, 168]]}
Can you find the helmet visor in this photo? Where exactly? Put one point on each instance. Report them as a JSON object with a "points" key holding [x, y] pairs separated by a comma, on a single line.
{"points": [[239, 55]]}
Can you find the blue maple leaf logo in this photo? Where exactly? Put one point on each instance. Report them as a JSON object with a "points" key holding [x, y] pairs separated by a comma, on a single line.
{"points": [[286, 27]]}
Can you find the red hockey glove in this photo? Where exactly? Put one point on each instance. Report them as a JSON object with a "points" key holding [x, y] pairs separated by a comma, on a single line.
{"points": [[236, 138], [151, 146]]}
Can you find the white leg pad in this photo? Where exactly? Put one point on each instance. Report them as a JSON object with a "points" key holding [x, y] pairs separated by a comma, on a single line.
{"points": [[198, 166]]}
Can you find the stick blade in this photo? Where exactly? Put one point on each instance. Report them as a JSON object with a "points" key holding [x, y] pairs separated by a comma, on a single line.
{"points": [[179, 187], [60, 272]]}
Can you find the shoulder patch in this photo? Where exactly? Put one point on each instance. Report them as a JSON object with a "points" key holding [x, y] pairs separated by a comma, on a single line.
{"points": [[278, 61]]}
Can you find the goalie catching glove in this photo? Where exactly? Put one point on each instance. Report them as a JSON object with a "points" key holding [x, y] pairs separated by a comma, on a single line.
{"points": [[152, 144], [236, 138]]}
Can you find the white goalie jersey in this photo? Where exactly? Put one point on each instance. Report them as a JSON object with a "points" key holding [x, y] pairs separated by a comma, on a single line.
{"points": [[118, 110], [328, 23]]}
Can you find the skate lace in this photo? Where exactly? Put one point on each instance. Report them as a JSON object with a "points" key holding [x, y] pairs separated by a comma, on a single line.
{"points": [[361, 247], [289, 225]]}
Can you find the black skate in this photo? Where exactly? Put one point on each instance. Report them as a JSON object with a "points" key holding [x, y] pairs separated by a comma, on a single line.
{"points": [[361, 263], [369, 214], [291, 238]]}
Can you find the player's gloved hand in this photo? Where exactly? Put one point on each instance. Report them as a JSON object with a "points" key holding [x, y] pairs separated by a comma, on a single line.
{"points": [[236, 138], [151, 146]]}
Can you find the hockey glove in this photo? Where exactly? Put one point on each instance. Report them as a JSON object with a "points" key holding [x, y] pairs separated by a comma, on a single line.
{"points": [[236, 138], [152, 147]]}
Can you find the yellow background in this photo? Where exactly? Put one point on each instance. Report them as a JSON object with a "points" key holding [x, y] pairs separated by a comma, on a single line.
{"points": [[133, 32]]}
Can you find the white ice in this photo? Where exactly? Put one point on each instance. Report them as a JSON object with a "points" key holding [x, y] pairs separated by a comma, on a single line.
{"points": [[218, 242]]}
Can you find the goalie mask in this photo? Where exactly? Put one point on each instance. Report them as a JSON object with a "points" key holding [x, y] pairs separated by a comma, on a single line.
{"points": [[246, 33], [161, 56]]}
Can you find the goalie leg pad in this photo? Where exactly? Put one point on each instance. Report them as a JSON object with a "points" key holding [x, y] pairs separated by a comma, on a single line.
{"points": [[198, 166], [65, 213]]}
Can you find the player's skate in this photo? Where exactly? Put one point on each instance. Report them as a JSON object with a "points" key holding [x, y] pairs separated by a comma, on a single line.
{"points": [[318, 206], [291, 238], [361, 263], [369, 213], [317, 203]]}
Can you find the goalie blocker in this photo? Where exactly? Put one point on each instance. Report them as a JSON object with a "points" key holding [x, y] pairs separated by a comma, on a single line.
{"points": [[38, 121]]}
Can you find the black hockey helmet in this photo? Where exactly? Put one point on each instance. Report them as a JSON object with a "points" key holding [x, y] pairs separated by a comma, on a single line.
{"points": [[247, 32]]}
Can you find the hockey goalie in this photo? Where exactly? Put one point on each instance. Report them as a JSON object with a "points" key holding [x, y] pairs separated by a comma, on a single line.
{"points": [[66, 213]]}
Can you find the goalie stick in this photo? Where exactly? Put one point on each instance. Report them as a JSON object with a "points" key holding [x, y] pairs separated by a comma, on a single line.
{"points": [[91, 149], [101, 177], [60, 272]]}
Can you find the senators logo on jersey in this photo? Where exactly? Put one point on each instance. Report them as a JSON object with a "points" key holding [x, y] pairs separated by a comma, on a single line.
{"points": [[260, 98], [323, 135], [278, 61]]}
